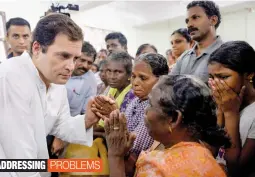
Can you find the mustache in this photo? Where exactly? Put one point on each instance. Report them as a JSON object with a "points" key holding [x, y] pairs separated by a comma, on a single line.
{"points": [[190, 30], [84, 69]]}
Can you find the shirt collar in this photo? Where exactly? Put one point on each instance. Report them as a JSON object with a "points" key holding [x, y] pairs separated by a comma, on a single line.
{"points": [[33, 70], [82, 76], [210, 48]]}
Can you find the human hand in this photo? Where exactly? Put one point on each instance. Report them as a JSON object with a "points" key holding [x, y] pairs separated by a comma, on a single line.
{"points": [[91, 118], [225, 97], [119, 141], [57, 146], [103, 106]]}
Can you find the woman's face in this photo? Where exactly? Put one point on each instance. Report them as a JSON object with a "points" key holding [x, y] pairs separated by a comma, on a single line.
{"points": [[158, 127], [116, 75], [102, 74], [233, 79], [179, 44], [142, 79], [94, 69]]}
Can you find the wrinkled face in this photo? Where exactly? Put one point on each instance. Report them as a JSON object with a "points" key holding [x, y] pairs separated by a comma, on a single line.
{"points": [[113, 45], [116, 74], [233, 79], [198, 23], [83, 64], [179, 44], [19, 38], [102, 74], [57, 63], [142, 79], [157, 125]]}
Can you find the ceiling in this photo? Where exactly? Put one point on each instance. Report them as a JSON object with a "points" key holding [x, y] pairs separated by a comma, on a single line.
{"points": [[149, 12], [132, 13]]}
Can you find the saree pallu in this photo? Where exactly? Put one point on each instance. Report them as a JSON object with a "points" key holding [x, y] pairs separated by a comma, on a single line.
{"points": [[185, 159]]}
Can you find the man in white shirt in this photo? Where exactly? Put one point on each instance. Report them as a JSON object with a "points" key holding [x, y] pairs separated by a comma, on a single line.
{"points": [[29, 80]]}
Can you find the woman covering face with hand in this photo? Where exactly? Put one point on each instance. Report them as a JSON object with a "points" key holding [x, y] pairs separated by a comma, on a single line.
{"points": [[232, 70]]}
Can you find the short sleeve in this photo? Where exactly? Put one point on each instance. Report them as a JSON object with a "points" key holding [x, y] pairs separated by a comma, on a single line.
{"points": [[251, 132]]}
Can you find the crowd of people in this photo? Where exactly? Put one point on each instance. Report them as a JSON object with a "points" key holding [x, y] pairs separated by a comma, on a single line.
{"points": [[186, 114]]}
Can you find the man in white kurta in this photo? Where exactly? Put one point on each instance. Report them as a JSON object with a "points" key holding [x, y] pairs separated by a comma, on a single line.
{"points": [[31, 106], [25, 117]]}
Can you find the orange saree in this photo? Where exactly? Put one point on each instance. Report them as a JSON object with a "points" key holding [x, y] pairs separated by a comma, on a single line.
{"points": [[184, 159]]}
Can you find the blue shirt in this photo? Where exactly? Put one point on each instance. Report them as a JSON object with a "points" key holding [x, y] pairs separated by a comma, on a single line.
{"points": [[79, 90]]}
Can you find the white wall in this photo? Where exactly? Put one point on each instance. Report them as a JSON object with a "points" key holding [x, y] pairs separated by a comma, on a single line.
{"points": [[238, 25], [105, 17]]}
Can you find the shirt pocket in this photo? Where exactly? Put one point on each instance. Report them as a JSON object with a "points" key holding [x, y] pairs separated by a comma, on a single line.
{"points": [[76, 99]]}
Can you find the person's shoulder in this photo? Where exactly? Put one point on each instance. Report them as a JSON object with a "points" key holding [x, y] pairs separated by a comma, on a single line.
{"points": [[184, 54], [92, 77]]}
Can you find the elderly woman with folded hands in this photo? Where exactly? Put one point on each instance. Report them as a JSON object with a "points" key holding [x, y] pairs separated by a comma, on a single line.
{"points": [[181, 115]]}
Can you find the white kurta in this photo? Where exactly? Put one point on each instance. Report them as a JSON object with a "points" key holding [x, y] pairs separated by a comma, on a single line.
{"points": [[28, 114]]}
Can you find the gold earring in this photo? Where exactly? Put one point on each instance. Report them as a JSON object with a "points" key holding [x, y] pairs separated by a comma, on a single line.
{"points": [[251, 81], [170, 129]]}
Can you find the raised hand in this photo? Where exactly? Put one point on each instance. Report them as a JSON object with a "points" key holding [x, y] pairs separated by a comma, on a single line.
{"points": [[119, 141], [103, 106], [225, 97]]}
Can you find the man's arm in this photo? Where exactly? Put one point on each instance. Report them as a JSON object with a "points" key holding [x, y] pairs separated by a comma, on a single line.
{"points": [[76, 129], [17, 130]]}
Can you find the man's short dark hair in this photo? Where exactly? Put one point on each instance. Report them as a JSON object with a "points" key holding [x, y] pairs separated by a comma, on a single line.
{"points": [[17, 22], [52, 25], [89, 50], [117, 35], [209, 7]]}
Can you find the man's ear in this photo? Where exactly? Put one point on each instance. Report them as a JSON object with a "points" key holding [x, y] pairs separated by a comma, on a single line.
{"points": [[213, 20], [126, 48], [36, 48]]}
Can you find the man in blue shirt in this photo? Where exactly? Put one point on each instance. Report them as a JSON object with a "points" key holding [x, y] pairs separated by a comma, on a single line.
{"points": [[82, 85]]}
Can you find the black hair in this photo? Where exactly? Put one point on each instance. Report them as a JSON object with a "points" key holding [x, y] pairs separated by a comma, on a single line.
{"points": [[17, 22], [157, 62], [93, 64], [122, 57], [209, 7], [184, 32], [89, 50], [235, 55], [144, 46], [117, 35], [102, 64], [51, 25], [103, 50], [192, 98]]}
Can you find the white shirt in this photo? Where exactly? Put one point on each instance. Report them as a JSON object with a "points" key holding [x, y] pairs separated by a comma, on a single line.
{"points": [[247, 123], [28, 114]]}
